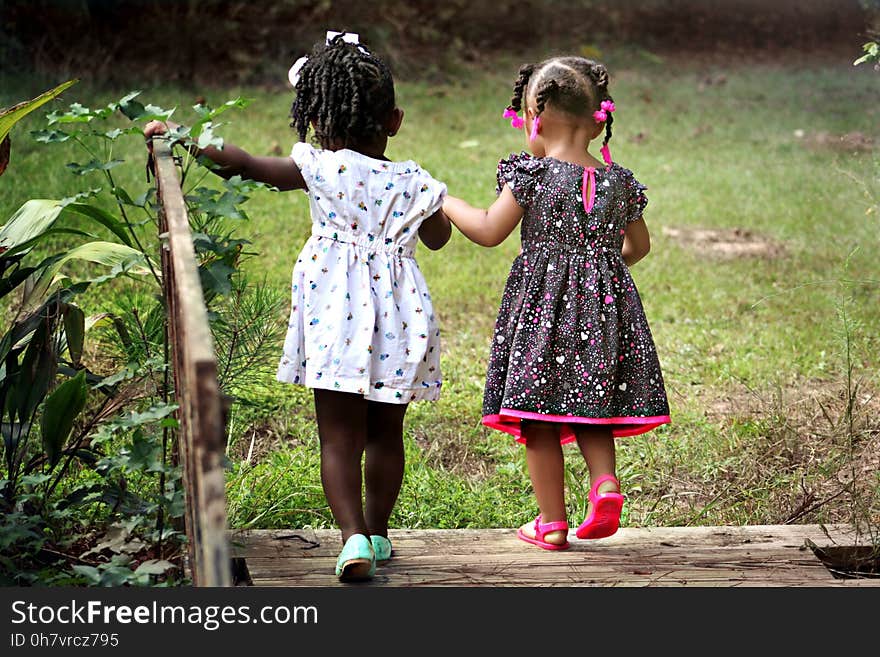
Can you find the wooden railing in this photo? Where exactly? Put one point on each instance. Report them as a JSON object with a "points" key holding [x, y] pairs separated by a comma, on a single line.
{"points": [[201, 443]]}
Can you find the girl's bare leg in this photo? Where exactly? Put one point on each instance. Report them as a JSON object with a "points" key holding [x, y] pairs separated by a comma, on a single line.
{"points": [[597, 447], [547, 472], [384, 463], [342, 429]]}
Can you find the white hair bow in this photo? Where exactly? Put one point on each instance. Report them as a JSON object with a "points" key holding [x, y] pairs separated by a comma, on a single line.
{"points": [[349, 37]]}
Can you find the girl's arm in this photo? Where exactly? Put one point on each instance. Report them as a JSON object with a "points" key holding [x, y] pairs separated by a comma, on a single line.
{"points": [[435, 231], [280, 172], [636, 242], [485, 227]]}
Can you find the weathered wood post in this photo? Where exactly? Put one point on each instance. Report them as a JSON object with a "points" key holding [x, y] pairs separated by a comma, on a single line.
{"points": [[201, 441]]}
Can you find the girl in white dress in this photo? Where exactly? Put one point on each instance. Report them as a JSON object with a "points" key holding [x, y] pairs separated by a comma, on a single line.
{"points": [[362, 331]]}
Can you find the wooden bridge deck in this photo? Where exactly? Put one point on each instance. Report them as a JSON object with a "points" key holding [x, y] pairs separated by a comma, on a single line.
{"points": [[762, 555]]}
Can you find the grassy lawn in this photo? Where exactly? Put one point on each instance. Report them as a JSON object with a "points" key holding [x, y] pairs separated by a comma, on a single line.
{"points": [[753, 347]]}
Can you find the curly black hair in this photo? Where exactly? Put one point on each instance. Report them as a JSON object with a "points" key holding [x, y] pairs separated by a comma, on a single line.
{"points": [[575, 85], [344, 92]]}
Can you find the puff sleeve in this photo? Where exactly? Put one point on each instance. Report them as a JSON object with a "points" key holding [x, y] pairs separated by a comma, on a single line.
{"points": [[522, 174], [433, 193], [305, 156]]}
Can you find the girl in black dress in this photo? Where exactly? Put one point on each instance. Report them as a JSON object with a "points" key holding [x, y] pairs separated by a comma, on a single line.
{"points": [[572, 356]]}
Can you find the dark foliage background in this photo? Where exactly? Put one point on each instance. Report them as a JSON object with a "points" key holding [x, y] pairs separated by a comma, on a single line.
{"points": [[235, 41]]}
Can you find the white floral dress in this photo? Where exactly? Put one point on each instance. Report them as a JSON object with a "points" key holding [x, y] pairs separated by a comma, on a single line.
{"points": [[361, 318]]}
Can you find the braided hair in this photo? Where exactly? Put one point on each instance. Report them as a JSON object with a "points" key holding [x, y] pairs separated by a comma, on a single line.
{"points": [[574, 85], [344, 92]]}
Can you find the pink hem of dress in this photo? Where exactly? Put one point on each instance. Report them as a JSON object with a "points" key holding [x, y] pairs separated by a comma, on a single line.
{"points": [[508, 421]]}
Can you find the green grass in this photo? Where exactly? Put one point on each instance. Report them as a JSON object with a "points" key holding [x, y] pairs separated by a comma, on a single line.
{"points": [[754, 333]]}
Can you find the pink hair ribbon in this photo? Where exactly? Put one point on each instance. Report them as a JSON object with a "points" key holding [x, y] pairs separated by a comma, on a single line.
{"points": [[605, 108], [535, 125], [516, 121], [589, 181], [606, 154]]}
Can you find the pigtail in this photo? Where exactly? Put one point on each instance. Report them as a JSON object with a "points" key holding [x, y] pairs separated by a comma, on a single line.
{"points": [[608, 123], [599, 76], [544, 93], [519, 87]]}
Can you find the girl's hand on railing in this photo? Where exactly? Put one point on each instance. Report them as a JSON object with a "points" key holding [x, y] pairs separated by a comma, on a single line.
{"points": [[157, 129]]}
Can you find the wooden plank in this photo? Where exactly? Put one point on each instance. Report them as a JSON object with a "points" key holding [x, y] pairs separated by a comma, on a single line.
{"points": [[712, 564], [201, 440], [470, 541], [771, 555]]}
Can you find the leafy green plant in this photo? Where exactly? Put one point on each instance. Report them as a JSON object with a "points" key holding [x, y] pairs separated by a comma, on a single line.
{"points": [[872, 54], [86, 448], [12, 115]]}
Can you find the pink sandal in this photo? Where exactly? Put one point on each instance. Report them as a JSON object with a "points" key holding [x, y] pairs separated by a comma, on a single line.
{"points": [[604, 518], [541, 530]]}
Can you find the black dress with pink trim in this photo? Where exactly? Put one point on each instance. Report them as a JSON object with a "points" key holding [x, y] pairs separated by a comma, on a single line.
{"points": [[571, 343]]}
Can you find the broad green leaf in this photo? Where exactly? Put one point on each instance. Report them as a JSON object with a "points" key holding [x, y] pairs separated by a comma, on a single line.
{"points": [[152, 112], [127, 98], [18, 335], [872, 53], [102, 217], [127, 372], [93, 165], [145, 454], [82, 494], [154, 567], [92, 574], [53, 136], [14, 534], [25, 247], [206, 137], [131, 107], [32, 219], [225, 206], [114, 134], [35, 479], [134, 110], [91, 378], [10, 116], [82, 196], [99, 320], [37, 371], [75, 332], [13, 280], [119, 257], [152, 414], [145, 198], [59, 412], [216, 278], [208, 113], [140, 202], [5, 149], [76, 113], [116, 576]]}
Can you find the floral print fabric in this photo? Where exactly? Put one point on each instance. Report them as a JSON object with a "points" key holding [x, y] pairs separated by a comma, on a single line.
{"points": [[571, 343], [361, 318]]}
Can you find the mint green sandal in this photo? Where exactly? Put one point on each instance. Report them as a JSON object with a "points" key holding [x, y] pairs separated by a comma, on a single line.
{"points": [[357, 561], [381, 546]]}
